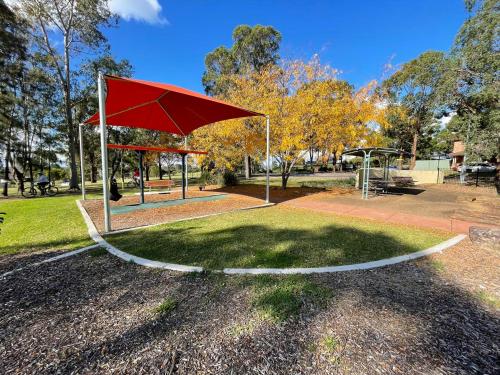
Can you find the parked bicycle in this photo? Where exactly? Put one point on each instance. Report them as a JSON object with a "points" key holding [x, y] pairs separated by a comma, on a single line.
{"points": [[48, 190], [133, 183]]}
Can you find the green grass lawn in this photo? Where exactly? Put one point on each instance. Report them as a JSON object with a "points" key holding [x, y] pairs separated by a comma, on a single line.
{"points": [[36, 224], [274, 237], [303, 181]]}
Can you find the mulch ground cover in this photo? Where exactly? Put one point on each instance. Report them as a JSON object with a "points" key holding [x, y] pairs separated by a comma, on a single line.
{"points": [[166, 214], [94, 313]]}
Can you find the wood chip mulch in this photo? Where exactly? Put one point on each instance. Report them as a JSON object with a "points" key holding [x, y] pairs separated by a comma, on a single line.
{"points": [[166, 214], [95, 314]]}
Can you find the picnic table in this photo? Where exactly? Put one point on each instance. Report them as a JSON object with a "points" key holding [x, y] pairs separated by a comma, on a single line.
{"points": [[403, 181], [378, 185], [159, 183]]}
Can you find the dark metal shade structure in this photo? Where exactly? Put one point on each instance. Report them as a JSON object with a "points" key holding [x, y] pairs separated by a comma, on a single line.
{"points": [[366, 154]]}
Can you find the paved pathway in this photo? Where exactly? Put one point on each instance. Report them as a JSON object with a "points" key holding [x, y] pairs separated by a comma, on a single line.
{"points": [[389, 216]]}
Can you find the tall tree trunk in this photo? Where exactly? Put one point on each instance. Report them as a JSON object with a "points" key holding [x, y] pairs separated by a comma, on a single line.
{"points": [[93, 173], [160, 174], [5, 191], [414, 150], [146, 169], [73, 184], [284, 179], [248, 173], [93, 166]]}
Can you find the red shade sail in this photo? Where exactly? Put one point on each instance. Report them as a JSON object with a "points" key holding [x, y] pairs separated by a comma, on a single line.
{"points": [[156, 149], [158, 106]]}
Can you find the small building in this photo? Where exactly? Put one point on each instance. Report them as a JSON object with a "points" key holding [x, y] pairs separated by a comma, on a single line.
{"points": [[457, 155]]}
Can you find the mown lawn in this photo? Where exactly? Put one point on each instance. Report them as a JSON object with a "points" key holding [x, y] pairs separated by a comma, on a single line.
{"points": [[275, 237], [52, 223]]}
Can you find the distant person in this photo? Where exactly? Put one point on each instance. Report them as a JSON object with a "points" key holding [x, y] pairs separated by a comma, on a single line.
{"points": [[136, 176], [43, 181]]}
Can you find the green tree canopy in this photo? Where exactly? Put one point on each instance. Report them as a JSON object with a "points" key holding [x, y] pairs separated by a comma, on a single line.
{"points": [[253, 48]]}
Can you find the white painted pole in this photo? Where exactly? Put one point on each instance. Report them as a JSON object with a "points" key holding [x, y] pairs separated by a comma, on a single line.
{"points": [[104, 152], [268, 161], [187, 156], [82, 166]]}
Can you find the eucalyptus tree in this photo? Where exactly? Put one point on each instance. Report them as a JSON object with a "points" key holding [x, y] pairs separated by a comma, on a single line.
{"points": [[416, 86], [12, 57], [64, 31], [471, 88], [253, 49], [86, 104]]}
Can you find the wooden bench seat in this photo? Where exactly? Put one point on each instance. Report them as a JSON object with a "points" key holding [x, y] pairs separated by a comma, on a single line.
{"points": [[159, 183]]}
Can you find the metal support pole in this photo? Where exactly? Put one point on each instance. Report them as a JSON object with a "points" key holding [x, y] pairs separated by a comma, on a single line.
{"points": [[141, 177], [268, 161], [439, 158], [82, 166], [104, 151], [183, 177], [187, 164], [364, 184], [368, 173]]}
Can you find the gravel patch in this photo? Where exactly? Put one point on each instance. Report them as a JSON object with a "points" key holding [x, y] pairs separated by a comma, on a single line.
{"points": [[93, 313]]}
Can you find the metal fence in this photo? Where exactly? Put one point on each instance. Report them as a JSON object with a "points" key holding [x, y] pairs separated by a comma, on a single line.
{"points": [[471, 178]]}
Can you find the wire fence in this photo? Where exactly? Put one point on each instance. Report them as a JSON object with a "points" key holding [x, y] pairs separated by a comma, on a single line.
{"points": [[476, 178]]}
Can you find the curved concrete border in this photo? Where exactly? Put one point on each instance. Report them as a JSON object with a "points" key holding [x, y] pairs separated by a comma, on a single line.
{"points": [[53, 259], [351, 267], [94, 234]]}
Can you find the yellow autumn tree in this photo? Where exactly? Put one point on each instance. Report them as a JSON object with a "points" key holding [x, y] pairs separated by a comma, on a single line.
{"points": [[309, 108]]}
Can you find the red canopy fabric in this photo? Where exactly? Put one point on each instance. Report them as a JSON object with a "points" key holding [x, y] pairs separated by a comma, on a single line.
{"points": [[158, 106], [156, 149]]}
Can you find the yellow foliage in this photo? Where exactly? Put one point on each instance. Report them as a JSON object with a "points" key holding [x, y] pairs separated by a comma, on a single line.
{"points": [[308, 107]]}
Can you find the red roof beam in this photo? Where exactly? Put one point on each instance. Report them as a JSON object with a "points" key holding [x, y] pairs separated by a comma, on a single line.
{"points": [[156, 149]]}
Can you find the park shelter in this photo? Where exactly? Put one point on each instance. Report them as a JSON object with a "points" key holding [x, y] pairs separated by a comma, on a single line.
{"points": [[142, 149], [157, 106], [369, 152]]}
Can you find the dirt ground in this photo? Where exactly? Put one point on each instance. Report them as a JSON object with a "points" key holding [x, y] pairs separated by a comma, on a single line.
{"points": [[434, 203], [94, 313], [158, 215]]}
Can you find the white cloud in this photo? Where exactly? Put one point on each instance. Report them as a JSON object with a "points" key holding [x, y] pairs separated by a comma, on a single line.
{"points": [[140, 10], [446, 119]]}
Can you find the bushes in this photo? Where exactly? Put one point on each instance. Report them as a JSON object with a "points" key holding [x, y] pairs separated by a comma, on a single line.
{"points": [[229, 178]]}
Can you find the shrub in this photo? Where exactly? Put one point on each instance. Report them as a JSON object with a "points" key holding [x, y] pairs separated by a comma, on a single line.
{"points": [[229, 178], [207, 178]]}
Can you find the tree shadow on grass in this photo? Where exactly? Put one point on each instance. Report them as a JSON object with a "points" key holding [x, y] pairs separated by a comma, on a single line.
{"points": [[262, 246], [277, 194]]}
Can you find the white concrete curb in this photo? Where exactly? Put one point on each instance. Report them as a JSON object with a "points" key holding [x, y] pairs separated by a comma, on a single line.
{"points": [[94, 234], [53, 259], [118, 231], [351, 267]]}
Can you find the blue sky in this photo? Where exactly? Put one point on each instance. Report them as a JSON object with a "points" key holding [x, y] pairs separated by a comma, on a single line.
{"points": [[167, 41]]}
